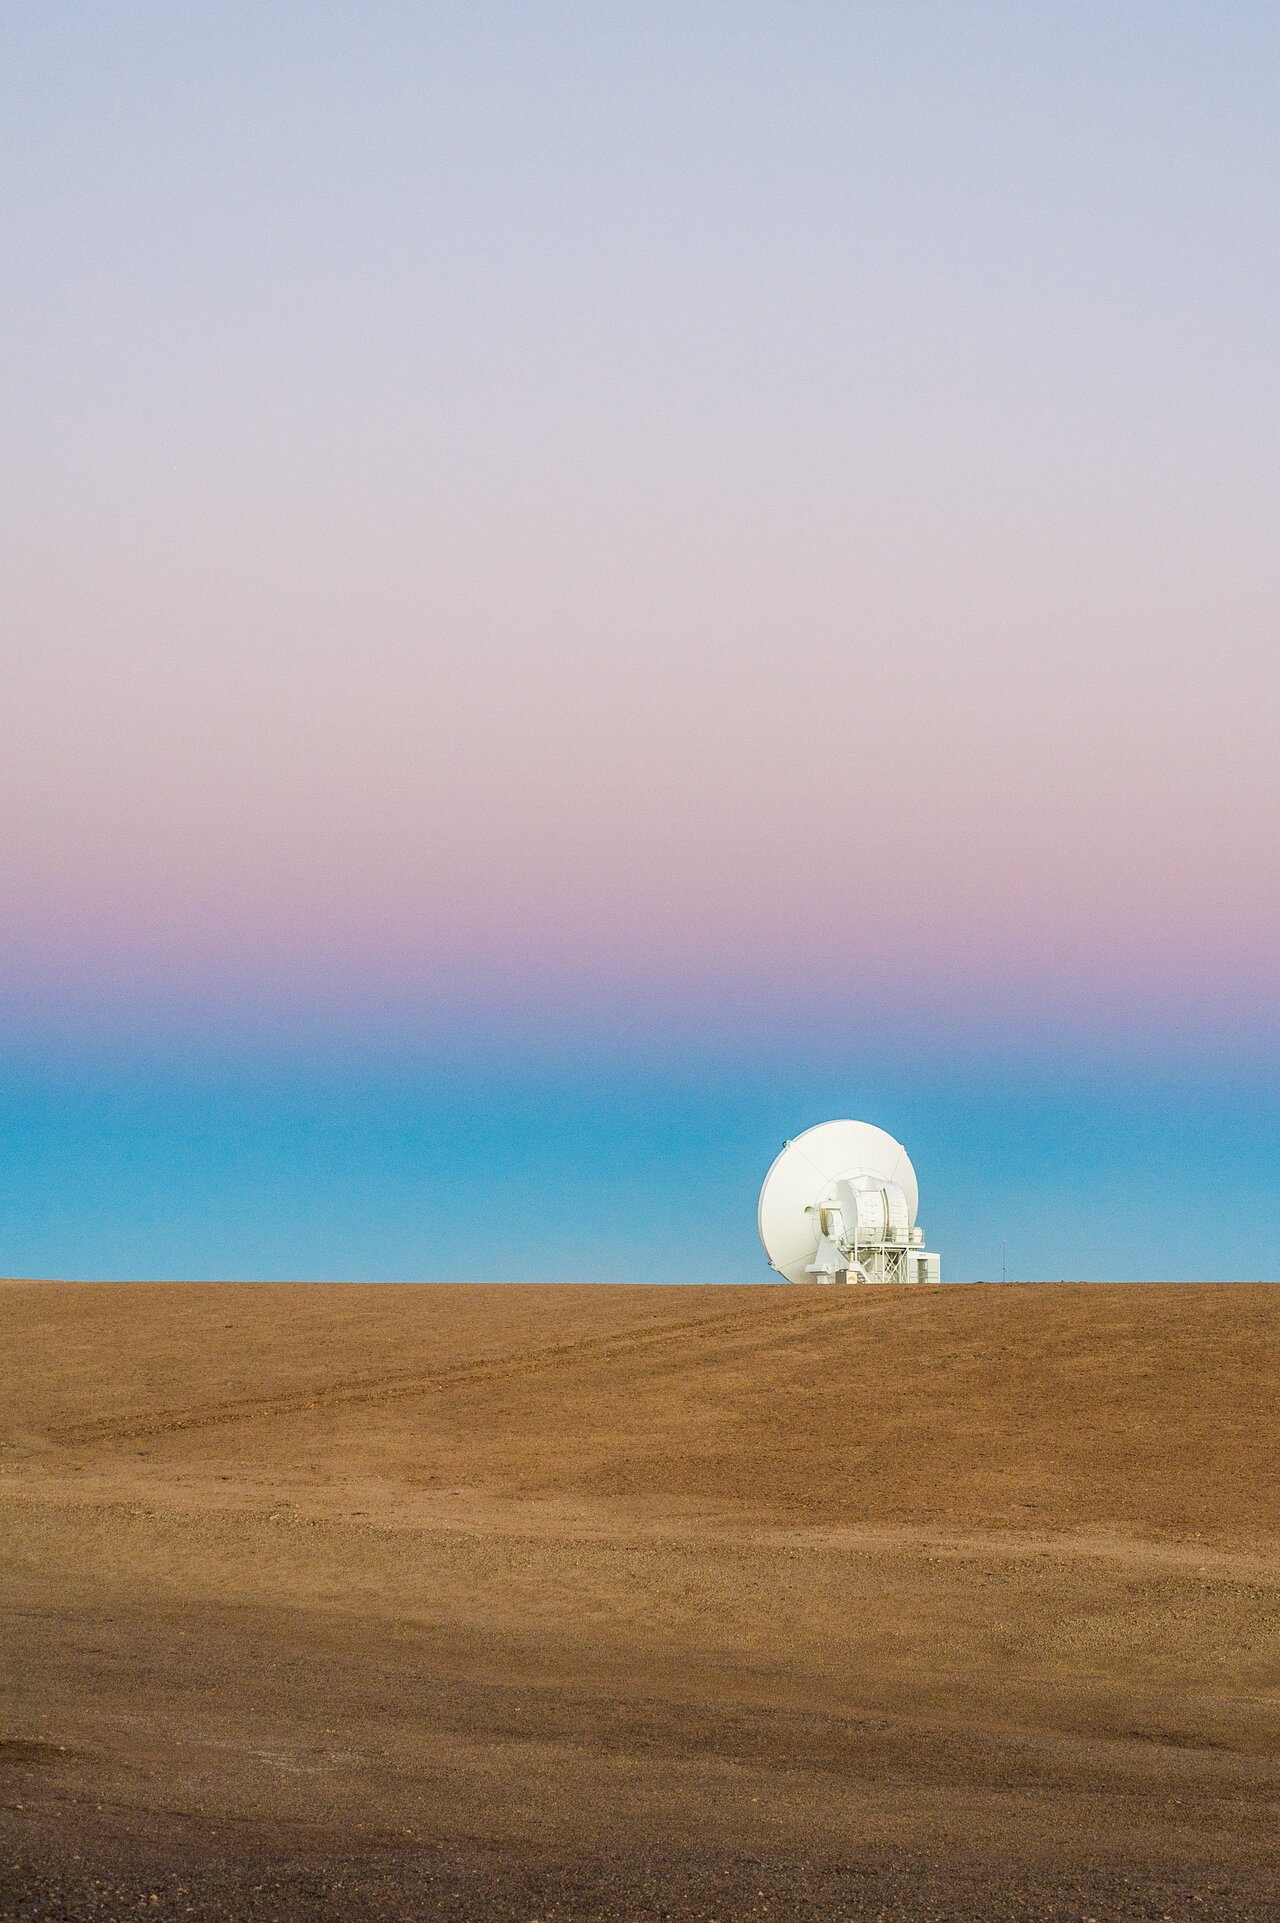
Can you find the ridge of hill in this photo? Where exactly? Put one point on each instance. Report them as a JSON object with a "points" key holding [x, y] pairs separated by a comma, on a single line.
{"points": [[397, 1598]]}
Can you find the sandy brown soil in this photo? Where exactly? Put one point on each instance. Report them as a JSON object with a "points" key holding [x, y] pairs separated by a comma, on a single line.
{"points": [[334, 1603]]}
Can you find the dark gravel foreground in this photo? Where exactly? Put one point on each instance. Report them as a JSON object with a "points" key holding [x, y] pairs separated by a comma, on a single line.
{"points": [[468, 1887]]}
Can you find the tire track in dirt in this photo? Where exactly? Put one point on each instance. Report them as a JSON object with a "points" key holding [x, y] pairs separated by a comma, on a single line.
{"points": [[358, 1391]]}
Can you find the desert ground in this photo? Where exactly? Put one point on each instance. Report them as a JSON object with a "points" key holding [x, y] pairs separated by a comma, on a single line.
{"points": [[328, 1602]]}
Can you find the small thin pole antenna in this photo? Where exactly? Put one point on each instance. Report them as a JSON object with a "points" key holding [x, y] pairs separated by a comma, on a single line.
{"points": [[1004, 1258]]}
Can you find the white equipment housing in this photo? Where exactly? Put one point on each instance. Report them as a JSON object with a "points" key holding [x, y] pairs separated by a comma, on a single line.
{"points": [[839, 1205]]}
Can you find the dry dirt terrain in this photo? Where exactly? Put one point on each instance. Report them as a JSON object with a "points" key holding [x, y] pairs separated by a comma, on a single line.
{"points": [[334, 1603]]}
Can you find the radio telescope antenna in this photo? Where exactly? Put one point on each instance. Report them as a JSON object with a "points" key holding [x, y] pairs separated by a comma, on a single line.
{"points": [[839, 1205]]}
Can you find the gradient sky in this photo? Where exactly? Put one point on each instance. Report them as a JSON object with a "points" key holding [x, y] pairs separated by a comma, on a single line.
{"points": [[588, 586]]}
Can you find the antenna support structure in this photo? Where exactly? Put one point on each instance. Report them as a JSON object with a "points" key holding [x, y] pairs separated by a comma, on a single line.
{"points": [[839, 1206]]}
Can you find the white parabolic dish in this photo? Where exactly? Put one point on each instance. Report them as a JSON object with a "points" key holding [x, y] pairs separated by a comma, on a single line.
{"points": [[807, 1169]]}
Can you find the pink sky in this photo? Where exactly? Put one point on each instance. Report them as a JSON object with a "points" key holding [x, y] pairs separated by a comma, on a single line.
{"points": [[673, 507]]}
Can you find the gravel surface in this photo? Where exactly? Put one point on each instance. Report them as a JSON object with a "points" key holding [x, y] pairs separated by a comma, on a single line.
{"points": [[340, 1603], [462, 1887]]}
